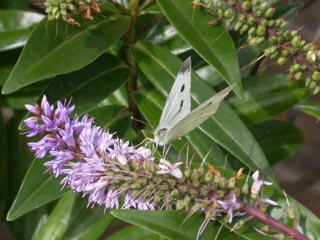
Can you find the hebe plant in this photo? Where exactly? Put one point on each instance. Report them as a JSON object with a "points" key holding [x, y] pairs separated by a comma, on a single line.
{"points": [[107, 65]]}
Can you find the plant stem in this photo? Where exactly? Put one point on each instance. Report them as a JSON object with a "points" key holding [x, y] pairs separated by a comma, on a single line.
{"points": [[132, 81], [273, 223]]}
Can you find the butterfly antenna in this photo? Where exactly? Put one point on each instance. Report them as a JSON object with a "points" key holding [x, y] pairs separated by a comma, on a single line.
{"points": [[139, 121]]}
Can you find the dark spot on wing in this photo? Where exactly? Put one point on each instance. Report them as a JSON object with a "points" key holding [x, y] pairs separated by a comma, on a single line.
{"points": [[181, 105], [182, 88], [209, 103]]}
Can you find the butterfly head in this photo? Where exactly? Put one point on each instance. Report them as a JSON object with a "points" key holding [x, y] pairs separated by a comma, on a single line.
{"points": [[160, 137]]}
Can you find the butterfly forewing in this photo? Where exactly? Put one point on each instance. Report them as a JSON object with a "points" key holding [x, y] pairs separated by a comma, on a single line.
{"points": [[197, 116], [178, 103]]}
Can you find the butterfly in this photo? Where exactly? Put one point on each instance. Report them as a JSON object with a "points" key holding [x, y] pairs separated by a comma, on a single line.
{"points": [[177, 119]]}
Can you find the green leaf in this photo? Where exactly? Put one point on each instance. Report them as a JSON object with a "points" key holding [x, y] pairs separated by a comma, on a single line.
{"points": [[260, 102], [169, 224], [79, 222], [36, 190], [288, 11], [16, 27], [225, 128], [211, 42], [164, 34], [134, 233], [49, 52], [311, 108], [278, 139], [89, 85], [113, 117], [28, 94]]}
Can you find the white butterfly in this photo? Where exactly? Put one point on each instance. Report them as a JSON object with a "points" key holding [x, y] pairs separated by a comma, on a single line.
{"points": [[177, 119]]}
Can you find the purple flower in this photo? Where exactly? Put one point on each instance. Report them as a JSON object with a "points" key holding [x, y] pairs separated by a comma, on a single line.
{"points": [[45, 145], [34, 127], [58, 163], [257, 183], [120, 151], [171, 168], [46, 109], [230, 205]]}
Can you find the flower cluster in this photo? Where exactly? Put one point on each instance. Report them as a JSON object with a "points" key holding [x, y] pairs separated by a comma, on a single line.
{"points": [[113, 173], [65, 8], [256, 19]]}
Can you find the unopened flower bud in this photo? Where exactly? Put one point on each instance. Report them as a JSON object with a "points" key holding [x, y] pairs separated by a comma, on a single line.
{"points": [[316, 76], [269, 13], [246, 5], [316, 90], [261, 30], [282, 60]]}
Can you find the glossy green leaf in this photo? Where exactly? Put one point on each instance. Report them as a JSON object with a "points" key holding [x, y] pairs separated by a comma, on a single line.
{"points": [[211, 42], [278, 139], [37, 189], [288, 11], [112, 117], [164, 34], [60, 53], [171, 225], [89, 85], [15, 27], [225, 128], [133, 233], [260, 102], [79, 222], [28, 94], [15, 4], [311, 108]]}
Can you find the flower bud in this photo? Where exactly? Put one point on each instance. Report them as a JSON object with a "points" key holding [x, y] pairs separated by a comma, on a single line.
{"points": [[298, 75], [282, 60], [316, 76], [311, 57], [245, 188], [269, 13], [261, 30], [316, 90], [246, 5], [251, 20]]}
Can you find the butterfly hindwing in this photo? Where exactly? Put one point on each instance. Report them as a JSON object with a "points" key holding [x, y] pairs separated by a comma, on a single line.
{"points": [[197, 116]]}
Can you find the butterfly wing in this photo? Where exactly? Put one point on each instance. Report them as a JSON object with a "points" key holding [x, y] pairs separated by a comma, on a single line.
{"points": [[178, 103], [197, 116]]}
